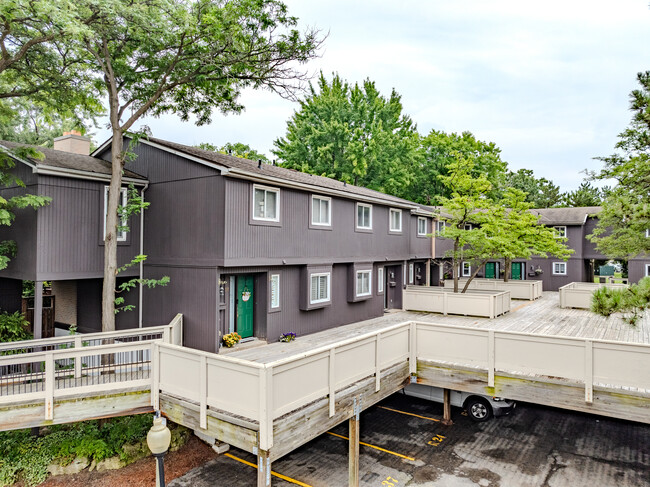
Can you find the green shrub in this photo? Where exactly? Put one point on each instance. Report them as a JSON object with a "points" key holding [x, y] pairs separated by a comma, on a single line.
{"points": [[13, 327], [631, 302]]}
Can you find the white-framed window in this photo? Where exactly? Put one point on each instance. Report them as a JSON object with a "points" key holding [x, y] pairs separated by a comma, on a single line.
{"points": [[647, 270], [467, 269], [647, 233], [468, 226], [364, 216], [266, 203], [440, 226], [121, 234], [422, 226], [275, 290], [560, 231], [411, 273], [559, 268], [380, 280], [395, 220], [363, 286], [319, 288], [321, 211]]}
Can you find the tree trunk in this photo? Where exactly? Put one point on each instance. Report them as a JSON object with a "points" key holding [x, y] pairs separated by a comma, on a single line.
{"points": [[110, 240], [474, 274], [454, 265], [508, 265]]}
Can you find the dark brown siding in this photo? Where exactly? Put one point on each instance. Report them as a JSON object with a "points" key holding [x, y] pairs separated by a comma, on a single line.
{"points": [[575, 272], [637, 268], [10, 295], [589, 249], [89, 307]]}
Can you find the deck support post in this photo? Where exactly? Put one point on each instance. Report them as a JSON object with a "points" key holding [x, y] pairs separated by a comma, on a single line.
{"points": [[263, 469], [38, 309], [353, 463], [446, 416]]}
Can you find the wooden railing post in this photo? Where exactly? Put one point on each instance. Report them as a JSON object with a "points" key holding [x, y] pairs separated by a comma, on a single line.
{"points": [[49, 386], [413, 366], [77, 360], [266, 409], [203, 391], [332, 382], [589, 371], [377, 363], [155, 376], [491, 358]]}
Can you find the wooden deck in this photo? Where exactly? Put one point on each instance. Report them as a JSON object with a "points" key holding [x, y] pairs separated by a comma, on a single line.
{"points": [[543, 316]]}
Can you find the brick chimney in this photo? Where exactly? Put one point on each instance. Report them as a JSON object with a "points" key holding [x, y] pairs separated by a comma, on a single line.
{"points": [[73, 142]]}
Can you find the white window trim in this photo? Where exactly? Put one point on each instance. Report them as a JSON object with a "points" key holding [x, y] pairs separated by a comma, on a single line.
{"points": [[275, 281], [329, 285], [440, 226], [390, 220], [356, 283], [556, 229], [277, 203], [380, 280], [426, 226], [329, 210], [121, 234], [411, 273], [559, 273], [647, 270], [467, 226], [356, 217], [466, 269], [647, 233]]}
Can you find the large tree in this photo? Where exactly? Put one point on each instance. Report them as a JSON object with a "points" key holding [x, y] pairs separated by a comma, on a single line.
{"points": [[439, 149], [151, 57], [541, 192], [237, 149], [585, 195], [353, 134]]}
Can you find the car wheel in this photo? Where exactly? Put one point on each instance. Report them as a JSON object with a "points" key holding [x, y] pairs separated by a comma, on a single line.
{"points": [[478, 409]]}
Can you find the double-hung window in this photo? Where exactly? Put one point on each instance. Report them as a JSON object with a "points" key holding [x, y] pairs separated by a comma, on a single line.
{"points": [[440, 227], [422, 226], [364, 216], [319, 288], [560, 231], [363, 286], [121, 231], [266, 204], [321, 211], [467, 269], [395, 222], [559, 268]]}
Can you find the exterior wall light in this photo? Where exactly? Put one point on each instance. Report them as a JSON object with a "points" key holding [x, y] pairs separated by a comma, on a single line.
{"points": [[158, 441]]}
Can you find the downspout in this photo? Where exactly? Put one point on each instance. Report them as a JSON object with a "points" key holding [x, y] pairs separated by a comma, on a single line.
{"points": [[140, 297]]}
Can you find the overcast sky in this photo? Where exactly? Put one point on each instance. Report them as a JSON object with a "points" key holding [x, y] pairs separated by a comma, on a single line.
{"points": [[547, 82]]}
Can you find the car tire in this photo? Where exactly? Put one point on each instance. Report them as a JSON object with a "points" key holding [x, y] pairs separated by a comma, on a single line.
{"points": [[478, 409]]}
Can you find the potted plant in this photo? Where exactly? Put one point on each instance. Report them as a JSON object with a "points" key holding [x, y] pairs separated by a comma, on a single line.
{"points": [[231, 339], [287, 337]]}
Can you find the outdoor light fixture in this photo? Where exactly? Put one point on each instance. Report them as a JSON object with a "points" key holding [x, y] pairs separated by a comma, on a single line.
{"points": [[158, 440]]}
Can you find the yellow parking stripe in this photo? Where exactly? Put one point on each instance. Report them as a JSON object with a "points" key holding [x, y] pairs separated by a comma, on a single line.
{"points": [[278, 475], [409, 414], [373, 446]]}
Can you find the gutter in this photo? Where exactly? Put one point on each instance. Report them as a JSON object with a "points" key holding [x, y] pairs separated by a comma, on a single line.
{"points": [[75, 173]]}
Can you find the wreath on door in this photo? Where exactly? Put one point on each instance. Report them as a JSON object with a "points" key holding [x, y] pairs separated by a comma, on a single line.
{"points": [[245, 295]]}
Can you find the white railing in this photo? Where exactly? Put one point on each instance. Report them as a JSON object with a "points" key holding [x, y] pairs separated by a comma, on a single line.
{"points": [[580, 294], [475, 302]]}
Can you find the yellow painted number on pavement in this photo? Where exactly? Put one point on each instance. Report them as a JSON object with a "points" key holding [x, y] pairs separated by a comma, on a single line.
{"points": [[436, 440], [389, 482]]}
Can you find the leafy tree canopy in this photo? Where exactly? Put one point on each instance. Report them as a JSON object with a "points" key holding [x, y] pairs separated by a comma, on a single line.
{"points": [[237, 149], [541, 192], [585, 195], [353, 134], [625, 215]]}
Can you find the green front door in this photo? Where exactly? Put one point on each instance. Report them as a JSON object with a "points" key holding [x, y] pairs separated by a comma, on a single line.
{"points": [[491, 270], [516, 271], [245, 300]]}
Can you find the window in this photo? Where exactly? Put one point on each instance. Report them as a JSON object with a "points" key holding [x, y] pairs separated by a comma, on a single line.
{"points": [[410, 273], [121, 233], [363, 287], [275, 290], [422, 226], [380, 280], [647, 270], [467, 269], [468, 226], [559, 268], [266, 204], [647, 233], [395, 220], [321, 213], [319, 290], [560, 232], [364, 216], [440, 226]]}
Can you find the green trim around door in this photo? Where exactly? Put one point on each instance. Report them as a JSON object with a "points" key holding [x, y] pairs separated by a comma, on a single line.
{"points": [[517, 271], [245, 299], [491, 270]]}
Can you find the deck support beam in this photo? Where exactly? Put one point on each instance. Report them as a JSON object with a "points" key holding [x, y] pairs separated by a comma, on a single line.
{"points": [[353, 462], [263, 469], [446, 416], [38, 309]]}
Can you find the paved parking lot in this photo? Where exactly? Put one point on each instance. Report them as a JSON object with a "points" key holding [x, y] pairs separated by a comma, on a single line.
{"points": [[406, 445]]}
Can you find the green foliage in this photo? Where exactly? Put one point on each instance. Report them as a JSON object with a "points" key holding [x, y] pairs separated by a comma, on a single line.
{"points": [[540, 192], [585, 195], [632, 301], [237, 149], [13, 327], [625, 215], [353, 134], [439, 150]]}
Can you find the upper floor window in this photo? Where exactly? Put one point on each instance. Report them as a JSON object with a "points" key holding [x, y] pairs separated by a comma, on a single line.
{"points": [[121, 231], [266, 203], [422, 226], [319, 291], [364, 216], [395, 220], [363, 287], [440, 226], [321, 211], [560, 231], [559, 268]]}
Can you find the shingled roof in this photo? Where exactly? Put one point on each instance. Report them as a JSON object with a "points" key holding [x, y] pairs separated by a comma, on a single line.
{"points": [[566, 216], [67, 160], [289, 175]]}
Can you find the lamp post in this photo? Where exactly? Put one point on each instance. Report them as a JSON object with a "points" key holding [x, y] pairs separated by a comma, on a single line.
{"points": [[158, 440]]}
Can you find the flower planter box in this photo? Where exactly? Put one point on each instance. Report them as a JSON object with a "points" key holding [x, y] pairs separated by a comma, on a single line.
{"points": [[529, 290], [475, 302], [579, 294]]}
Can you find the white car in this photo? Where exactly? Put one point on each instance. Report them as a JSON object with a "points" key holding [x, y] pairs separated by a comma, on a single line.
{"points": [[478, 407]]}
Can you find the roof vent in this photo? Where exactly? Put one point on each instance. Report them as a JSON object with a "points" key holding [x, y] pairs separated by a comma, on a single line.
{"points": [[73, 142]]}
